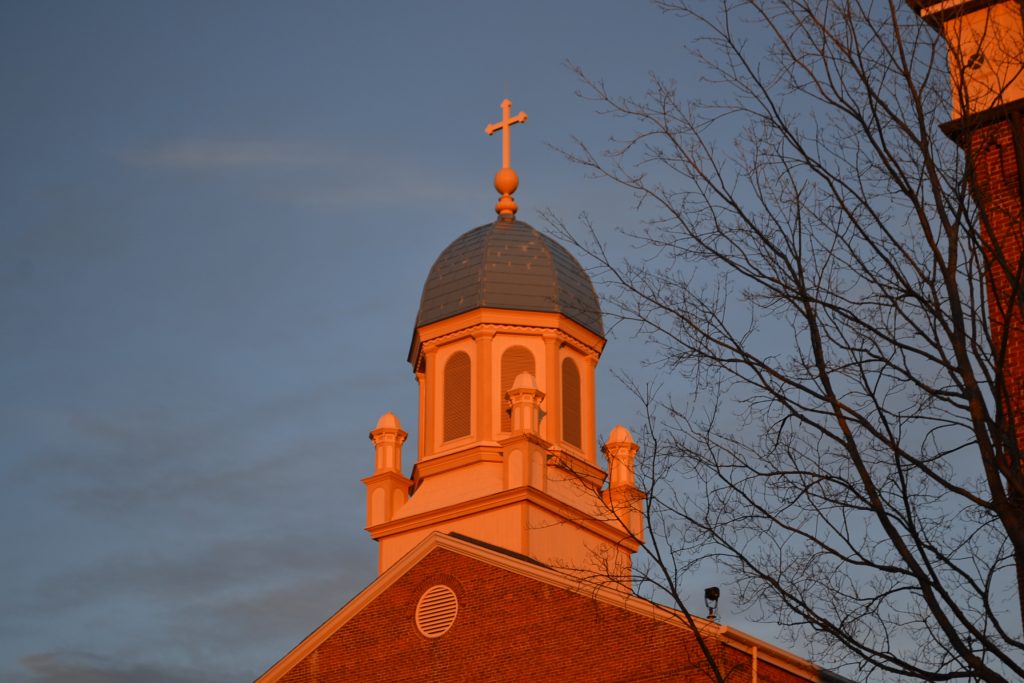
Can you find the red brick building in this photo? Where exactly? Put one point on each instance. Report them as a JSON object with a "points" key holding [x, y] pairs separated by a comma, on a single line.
{"points": [[505, 555], [510, 618], [985, 40]]}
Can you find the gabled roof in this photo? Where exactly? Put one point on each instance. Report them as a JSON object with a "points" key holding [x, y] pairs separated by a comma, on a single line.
{"points": [[737, 641]]}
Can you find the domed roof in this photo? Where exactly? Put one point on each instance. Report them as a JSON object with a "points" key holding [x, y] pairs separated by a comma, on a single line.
{"points": [[389, 421], [510, 265], [620, 434]]}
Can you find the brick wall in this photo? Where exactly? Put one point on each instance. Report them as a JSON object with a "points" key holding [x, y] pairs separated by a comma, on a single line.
{"points": [[995, 148], [511, 628]]}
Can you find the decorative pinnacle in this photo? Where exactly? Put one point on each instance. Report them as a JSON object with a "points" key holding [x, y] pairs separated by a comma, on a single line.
{"points": [[506, 180]]}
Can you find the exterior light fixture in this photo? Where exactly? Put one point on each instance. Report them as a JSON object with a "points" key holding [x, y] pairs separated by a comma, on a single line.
{"points": [[711, 596]]}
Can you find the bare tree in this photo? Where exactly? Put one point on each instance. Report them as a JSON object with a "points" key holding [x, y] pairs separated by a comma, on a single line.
{"points": [[813, 264]]}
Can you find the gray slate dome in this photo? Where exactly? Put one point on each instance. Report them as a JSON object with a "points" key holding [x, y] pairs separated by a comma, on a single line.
{"points": [[510, 265]]}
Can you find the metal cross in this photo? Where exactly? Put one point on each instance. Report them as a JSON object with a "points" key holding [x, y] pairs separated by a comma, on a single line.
{"points": [[505, 123]]}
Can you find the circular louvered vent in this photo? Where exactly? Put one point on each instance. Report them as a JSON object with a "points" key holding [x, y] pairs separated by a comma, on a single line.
{"points": [[436, 610]]}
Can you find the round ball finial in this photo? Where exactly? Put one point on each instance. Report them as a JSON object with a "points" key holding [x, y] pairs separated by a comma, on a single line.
{"points": [[506, 181]]}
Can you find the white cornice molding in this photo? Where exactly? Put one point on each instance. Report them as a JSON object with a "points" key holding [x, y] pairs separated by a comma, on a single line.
{"points": [[608, 530], [491, 320]]}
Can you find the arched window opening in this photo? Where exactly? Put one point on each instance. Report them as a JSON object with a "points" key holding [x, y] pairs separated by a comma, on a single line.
{"points": [[571, 404], [457, 396], [515, 360]]}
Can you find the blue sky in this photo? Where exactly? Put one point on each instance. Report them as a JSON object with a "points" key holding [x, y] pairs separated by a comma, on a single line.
{"points": [[216, 221]]}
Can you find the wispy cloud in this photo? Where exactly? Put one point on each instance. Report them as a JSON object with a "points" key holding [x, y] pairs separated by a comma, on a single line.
{"points": [[220, 572], [119, 458], [60, 667], [237, 605], [376, 186], [223, 154], [311, 175]]}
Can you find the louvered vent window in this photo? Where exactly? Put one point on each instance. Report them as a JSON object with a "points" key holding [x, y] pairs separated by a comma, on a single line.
{"points": [[436, 611], [456, 396], [571, 403], [515, 360]]}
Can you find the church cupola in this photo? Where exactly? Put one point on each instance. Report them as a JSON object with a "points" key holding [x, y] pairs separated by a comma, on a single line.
{"points": [[500, 300], [507, 339]]}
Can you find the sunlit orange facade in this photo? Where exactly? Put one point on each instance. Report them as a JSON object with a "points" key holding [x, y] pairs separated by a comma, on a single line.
{"points": [[505, 469], [986, 51], [505, 551]]}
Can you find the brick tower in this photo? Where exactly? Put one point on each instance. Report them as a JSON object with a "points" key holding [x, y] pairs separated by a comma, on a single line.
{"points": [[986, 65]]}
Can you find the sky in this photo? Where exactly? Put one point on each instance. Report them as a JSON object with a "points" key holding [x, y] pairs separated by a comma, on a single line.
{"points": [[215, 224]]}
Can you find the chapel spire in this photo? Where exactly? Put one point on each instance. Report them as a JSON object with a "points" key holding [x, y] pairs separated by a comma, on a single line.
{"points": [[505, 348]]}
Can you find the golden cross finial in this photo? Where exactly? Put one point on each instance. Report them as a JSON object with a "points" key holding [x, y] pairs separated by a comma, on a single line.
{"points": [[504, 125], [506, 180]]}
